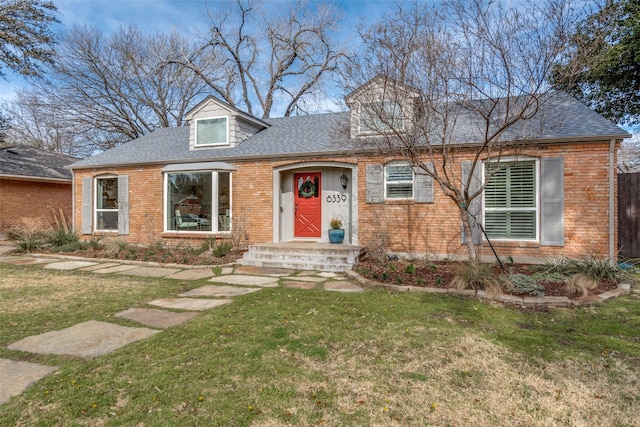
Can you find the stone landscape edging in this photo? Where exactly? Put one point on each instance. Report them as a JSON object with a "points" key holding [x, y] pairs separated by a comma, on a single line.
{"points": [[128, 261], [622, 289]]}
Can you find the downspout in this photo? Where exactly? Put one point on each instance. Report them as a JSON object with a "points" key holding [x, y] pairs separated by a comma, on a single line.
{"points": [[73, 199], [612, 218]]}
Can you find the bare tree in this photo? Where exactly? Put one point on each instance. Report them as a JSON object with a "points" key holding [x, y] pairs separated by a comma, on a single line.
{"points": [[460, 81], [38, 123], [255, 58], [25, 38], [114, 89]]}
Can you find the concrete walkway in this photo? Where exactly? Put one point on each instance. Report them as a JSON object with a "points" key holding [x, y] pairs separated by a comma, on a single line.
{"points": [[93, 338]]}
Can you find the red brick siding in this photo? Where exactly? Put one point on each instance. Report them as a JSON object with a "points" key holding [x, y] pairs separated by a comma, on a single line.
{"points": [[31, 203], [431, 228]]}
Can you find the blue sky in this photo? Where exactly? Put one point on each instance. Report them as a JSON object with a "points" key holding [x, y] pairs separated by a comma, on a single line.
{"points": [[165, 15]]}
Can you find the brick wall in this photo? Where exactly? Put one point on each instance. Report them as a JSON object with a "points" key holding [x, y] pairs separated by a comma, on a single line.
{"points": [[31, 203], [432, 228]]}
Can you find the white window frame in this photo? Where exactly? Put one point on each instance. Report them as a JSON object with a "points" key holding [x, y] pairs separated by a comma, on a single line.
{"points": [[386, 182], [226, 142], [214, 201], [537, 198], [366, 130], [96, 211]]}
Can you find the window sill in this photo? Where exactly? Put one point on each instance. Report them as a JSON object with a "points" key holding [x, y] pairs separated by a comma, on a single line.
{"points": [[511, 244], [192, 234], [399, 202]]}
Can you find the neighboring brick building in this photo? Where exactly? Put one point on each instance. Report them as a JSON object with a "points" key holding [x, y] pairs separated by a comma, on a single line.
{"points": [[33, 184], [284, 179]]}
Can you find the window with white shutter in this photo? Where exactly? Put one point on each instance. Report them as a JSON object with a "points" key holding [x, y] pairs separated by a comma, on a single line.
{"points": [[510, 201], [398, 181]]}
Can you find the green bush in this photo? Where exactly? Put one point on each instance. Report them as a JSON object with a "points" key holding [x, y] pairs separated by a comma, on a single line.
{"points": [[521, 284], [222, 249], [410, 269], [27, 239], [589, 265], [62, 237], [478, 275]]}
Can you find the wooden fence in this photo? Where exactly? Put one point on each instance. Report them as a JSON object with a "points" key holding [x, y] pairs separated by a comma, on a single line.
{"points": [[628, 215]]}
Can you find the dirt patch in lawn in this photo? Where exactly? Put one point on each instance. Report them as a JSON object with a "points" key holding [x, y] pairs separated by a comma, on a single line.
{"points": [[441, 275]]}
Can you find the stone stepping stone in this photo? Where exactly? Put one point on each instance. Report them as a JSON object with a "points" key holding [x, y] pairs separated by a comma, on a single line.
{"points": [[115, 269], [192, 274], [306, 273], [156, 318], [218, 291], [309, 279], [299, 285], [27, 261], [99, 266], [87, 339], [263, 271], [327, 274], [339, 286], [150, 271], [69, 265], [16, 377], [193, 304], [239, 279]]}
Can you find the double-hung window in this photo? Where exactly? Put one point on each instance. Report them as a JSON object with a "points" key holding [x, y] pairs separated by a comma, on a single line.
{"points": [[380, 117], [198, 201], [106, 213], [398, 181], [510, 200], [212, 131]]}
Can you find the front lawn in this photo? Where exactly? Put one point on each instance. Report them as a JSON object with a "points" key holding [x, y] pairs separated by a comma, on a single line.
{"points": [[312, 357]]}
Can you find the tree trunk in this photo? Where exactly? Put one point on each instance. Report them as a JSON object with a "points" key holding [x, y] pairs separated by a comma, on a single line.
{"points": [[468, 234]]}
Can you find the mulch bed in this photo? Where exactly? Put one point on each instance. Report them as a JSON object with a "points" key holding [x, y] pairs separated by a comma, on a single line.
{"points": [[440, 275]]}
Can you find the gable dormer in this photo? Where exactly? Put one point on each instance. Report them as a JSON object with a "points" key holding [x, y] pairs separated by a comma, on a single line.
{"points": [[380, 106], [214, 123]]}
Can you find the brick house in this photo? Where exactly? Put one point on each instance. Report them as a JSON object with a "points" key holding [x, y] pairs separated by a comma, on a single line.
{"points": [[283, 179], [33, 184]]}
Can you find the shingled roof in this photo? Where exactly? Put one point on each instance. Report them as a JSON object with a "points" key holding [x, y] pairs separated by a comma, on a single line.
{"points": [[24, 162], [564, 120]]}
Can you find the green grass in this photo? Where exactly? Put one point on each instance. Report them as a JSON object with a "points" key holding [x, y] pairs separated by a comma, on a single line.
{"points": [[311, 357]]}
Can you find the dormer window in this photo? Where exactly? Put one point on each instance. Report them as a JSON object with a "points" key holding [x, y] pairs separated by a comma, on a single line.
{"points": [[380, 117], [212, 131]]}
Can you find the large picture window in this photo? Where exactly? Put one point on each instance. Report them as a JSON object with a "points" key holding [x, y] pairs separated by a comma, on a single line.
{"points": [[198, 201], [398, 181], [106, 204], [510, 200], [212, 131]]}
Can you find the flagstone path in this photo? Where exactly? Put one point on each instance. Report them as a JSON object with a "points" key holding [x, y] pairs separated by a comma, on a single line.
{"points": [[93, 338]]}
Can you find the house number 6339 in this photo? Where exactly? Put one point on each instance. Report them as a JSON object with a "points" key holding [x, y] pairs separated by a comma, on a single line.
{"points": [[336, 198]]}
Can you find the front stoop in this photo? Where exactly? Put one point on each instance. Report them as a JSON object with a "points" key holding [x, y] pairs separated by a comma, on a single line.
{"points": [[304, 256]]}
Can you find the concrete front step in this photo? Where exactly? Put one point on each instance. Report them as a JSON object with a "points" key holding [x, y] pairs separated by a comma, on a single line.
{"points": [[303, 256]]}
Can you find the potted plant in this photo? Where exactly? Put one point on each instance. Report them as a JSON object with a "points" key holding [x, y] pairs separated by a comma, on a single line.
{"points": [[336, 232]]}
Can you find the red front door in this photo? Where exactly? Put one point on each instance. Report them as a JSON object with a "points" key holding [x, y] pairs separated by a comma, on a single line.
{"points": [[308, 214]]}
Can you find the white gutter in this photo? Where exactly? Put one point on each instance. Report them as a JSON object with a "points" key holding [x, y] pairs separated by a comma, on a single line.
{"points": [[612, 217]]}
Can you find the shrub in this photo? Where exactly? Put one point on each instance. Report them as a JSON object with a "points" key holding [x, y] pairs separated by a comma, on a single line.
{"points": [[580, 284], [477, 275], [63, 237], [521, 284], [27, 239], [597, 268], [222, 249], [410, 269]]}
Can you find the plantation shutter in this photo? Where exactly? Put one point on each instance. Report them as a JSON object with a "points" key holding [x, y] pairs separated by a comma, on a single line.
{"points": [[552, 201], [374, 184], [424, 186], [123, 204], [475, 207], [510, 201], [87, 211]]}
